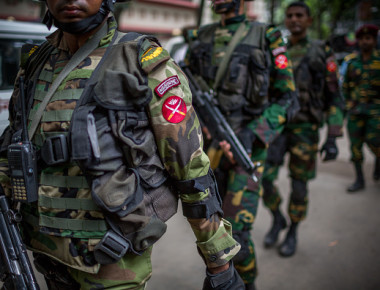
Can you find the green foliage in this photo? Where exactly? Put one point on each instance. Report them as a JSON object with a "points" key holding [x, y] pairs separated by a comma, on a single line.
{"points": [[325, 13]]}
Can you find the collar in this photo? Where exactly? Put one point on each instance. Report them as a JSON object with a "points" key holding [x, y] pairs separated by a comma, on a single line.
{"points": [[302, 41], [236, 19], [58, 41]]}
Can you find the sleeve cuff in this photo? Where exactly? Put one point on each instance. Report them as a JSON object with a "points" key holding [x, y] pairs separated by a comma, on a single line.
{"points": [[220, 248]]}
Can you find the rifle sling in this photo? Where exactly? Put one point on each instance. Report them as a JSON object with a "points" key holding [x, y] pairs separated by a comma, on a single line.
{"points": [[77, 58], [226, 60]]}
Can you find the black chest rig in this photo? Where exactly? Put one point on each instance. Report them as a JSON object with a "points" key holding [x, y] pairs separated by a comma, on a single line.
{"points": [[243, 91], [111, 140], [310, 80]]}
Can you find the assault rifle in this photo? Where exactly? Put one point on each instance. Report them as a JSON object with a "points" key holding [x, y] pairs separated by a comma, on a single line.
{"points": [[15, 269], [216, 124]]}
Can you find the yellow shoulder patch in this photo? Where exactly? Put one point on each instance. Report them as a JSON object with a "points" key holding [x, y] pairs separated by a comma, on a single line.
{"points": [[152, 56], [350, 56], [26, 51]]}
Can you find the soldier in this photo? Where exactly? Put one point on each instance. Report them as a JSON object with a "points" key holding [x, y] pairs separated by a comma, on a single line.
{"points": [[361, 90], [254, 58], [315, 73], [119, 142]]}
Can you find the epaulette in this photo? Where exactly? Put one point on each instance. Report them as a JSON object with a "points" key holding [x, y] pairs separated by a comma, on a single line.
{"points": [[350, 57], [26, 51], [151, 55]]}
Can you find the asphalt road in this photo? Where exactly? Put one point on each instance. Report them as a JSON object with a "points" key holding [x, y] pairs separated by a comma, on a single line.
{"points": [[339, 242]]}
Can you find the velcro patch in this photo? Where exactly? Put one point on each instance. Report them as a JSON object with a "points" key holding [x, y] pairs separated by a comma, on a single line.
{"points": [[174, 109], [166, 85], [151, 54], [331, 66], [281, 61], [278, 50]]}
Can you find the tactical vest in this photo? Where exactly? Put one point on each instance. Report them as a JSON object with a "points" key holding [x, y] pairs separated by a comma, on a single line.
{"points": [[243, 92], [310, 81], [111, 141]]}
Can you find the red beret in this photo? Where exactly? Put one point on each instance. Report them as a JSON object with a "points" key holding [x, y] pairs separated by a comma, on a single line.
{"points": [[367, 29]]}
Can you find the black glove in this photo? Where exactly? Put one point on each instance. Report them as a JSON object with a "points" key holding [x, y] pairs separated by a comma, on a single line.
{"points": [[247, 137], [330, 149], [226, 280]]}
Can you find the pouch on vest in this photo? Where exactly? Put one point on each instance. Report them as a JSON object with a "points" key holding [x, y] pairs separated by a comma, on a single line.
{"points": [[127, 175]]}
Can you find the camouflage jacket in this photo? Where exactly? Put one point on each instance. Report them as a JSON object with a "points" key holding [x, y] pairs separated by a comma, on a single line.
{"points": [[268, 116], [361, 85], [178, 141], [319, 95]]}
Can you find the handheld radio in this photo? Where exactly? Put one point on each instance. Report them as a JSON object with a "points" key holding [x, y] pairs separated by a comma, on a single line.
{"points": [[22, 161]]}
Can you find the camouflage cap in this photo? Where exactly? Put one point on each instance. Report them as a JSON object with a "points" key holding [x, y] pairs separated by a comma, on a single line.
{"points": [[370, 29]]}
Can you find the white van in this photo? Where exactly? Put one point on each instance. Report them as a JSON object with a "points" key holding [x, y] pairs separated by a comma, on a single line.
{"points": [[13, 34]]}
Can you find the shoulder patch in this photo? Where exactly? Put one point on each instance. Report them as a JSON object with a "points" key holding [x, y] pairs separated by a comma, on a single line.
{"points": [[153, 56], [166, 85], [26, 51], [281, 61], [331, 66], [279, 50], [174, 109], [350, 56]]}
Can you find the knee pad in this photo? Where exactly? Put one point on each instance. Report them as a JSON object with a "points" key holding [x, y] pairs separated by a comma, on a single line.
{"points": [[299, 192]]}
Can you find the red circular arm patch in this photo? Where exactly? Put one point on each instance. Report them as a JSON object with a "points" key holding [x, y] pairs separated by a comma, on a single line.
{"points": [[174, 109], [331, 66], [281, 61]]}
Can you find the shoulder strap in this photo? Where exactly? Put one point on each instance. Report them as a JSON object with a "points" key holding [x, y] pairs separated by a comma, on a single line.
{"points": [[77, 58], [226, 60], [256, 35]]}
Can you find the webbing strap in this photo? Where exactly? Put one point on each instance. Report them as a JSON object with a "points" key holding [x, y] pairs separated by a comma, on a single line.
{"points": [[77, 58], [53, 116], [73, 94], [226, 60], [46, 76], [72, 224], [66, 224], [67, 203], [64, 181], [39, 139]]}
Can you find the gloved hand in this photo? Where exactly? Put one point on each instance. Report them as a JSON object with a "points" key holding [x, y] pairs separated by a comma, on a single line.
{"points": [[226, 280], [247, 137], [330, 149]]}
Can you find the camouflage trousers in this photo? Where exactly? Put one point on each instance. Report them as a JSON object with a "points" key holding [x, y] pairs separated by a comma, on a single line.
{"points": [[363, 129], [130, 272], [301, 142], [240, 208]]}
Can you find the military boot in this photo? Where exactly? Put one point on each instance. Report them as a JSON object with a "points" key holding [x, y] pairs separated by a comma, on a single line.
{"points": [[288, 247], [279, 223], [359, 182], [376, 172]]}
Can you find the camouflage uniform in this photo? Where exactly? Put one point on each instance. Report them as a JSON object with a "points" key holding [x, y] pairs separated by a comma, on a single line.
{"points": [[179, 146], [266, 120], [361, 89], [300, 137]]}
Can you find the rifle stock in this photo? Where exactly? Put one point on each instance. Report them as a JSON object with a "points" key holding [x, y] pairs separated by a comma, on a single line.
{"points": [[212, 118], [15, 265]]}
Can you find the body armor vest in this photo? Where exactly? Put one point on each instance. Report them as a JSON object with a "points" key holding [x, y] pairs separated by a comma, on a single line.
{"points": [[310, 81], [111, 141], [243, 91]]}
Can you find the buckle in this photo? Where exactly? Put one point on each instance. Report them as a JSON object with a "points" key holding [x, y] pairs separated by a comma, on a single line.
{"points": [[111, 248], [55, 150]]}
